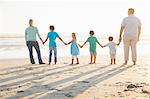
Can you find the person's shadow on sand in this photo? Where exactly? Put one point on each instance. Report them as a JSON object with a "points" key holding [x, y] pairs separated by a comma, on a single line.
{"points": [[74, 89]]}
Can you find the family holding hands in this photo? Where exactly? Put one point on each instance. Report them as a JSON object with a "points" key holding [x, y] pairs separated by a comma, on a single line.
{"points": [[131, 26]]}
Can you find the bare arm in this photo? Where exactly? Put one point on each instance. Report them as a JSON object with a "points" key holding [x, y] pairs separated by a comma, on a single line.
{"points": [[70, 42], [121, 31], [39, 34], [45, 40], [83, 44], [100, 44], [61, 40], [139, 32]]}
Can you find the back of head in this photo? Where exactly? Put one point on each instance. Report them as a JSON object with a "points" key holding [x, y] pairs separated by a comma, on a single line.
{"points": [[91, 32], [30, 22], [73, 35], [51, 27], [110, 38], [130, 11]]}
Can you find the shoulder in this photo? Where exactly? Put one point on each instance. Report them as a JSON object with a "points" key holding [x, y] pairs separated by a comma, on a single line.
{"points": [[88, 38], [137, 18], [49, 32], [95, 37], [114, 43], [125, 18], [55, 32], [27, 28], [35, 28]]}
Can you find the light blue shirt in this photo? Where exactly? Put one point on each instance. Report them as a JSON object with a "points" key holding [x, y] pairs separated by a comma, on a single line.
{"points": [[30, 33], [52, 38]]}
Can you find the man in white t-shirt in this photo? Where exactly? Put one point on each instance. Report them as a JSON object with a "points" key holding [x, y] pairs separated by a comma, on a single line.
{"points": [[131, 26]]}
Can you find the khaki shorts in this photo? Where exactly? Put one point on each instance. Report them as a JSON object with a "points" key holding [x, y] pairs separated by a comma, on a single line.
{"points": [[93, 52], [112, 56]]}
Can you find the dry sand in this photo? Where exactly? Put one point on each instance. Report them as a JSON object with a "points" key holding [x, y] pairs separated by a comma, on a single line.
{"points": [[21, 80]]}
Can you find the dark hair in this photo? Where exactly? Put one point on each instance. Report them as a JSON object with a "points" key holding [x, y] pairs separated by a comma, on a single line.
{"points": [[91, 32], [110, 38], [30, 20], [51, 27]]}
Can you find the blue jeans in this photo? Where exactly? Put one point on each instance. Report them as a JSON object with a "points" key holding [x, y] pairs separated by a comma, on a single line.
{"points": [[52, 48], [30, 45]]}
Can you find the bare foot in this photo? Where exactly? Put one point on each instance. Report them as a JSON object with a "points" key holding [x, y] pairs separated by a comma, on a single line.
{"points": [[134, 62], [125, 63]]}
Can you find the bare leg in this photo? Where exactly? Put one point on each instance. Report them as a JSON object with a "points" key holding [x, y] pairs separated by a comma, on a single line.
{"points": [[72, 61], [91, 59], [77, 61], [111, 61], [94, 59], [114, 61]]}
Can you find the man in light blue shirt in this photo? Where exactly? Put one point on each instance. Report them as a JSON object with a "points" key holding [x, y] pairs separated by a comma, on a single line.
{"points": [[30, 37], [52, 43]]}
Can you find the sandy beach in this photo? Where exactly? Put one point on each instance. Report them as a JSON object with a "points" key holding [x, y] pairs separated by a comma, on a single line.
{"points": [[21, 80]]}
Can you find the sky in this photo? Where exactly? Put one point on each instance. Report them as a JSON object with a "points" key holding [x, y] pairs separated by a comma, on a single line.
{"points": [[80, 16]]}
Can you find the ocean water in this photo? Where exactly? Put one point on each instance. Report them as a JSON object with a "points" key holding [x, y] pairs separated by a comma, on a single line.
{"points": [[15, 47]]}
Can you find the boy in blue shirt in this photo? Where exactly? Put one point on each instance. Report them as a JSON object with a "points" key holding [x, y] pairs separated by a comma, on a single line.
{"points": [[52, 43]]}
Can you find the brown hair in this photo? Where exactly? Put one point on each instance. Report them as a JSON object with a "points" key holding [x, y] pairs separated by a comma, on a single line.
{"points": [[30, 20], [131, 9], [110, 38]]}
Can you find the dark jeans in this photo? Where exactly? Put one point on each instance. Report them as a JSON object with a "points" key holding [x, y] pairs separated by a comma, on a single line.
{"points": [[30, 45]]}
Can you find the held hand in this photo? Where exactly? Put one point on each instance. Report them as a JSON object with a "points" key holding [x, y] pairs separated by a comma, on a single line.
{"points": [[43, 43], [80, 46], [65, 43], [101, 45], [118, 44]]}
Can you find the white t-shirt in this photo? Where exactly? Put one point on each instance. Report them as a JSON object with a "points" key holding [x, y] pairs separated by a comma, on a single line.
{"points": [[112, 47], [131, 24]]}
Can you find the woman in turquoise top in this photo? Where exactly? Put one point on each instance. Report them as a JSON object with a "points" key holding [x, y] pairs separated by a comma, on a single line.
{"points": [[74, 48]]}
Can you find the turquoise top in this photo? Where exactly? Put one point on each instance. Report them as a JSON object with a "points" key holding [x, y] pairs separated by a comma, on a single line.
{"points": [[92, 41], [30, 33], [52, 38]]}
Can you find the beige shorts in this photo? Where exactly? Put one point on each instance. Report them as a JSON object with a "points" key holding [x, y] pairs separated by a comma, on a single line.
{"points": [[112, 56]]}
